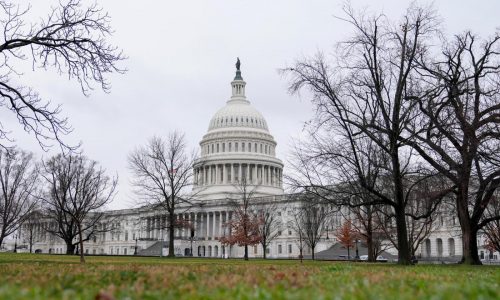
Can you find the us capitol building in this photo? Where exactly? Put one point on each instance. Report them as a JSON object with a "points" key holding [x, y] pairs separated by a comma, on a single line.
{"points": [[237, 145]]}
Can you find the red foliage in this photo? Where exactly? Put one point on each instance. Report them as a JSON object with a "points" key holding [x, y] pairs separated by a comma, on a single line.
{"points": [[244, 230], [346, 234]]}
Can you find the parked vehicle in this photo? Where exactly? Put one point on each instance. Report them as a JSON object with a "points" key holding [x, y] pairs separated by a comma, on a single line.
{"points": [[380, 258]]}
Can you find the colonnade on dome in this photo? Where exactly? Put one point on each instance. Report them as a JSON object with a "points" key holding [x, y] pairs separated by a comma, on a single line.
{"points": [[235, 173]]}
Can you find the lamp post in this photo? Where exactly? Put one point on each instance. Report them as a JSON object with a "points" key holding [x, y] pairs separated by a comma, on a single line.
{"points": [[135, 249], [357, 250], [15, 243], [191, 240]]}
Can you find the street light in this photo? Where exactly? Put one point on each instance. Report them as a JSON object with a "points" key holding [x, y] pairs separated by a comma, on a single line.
{"points": [[15, 243], [192, 237], [357, 251], [135, 250]]}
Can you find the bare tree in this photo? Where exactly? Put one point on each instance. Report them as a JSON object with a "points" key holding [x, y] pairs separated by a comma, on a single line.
{"points": [[457, 131], [310, 220], [364, 96], [72, 40], [163, 171], [270, 222], [77, 189], [369, 229], [29, 227], [298, 226], [19, 188]]}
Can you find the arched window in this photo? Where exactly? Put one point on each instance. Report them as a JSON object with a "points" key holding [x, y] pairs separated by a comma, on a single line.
{"points": [[427, 247], [229, 147], [255, 148], [236, 147], [439, 243], [223, 147], [243, 147], [451, 247], [217, 147]]}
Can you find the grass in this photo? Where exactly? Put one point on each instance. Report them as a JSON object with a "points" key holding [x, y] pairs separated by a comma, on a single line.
{"points": [[27, 276]]}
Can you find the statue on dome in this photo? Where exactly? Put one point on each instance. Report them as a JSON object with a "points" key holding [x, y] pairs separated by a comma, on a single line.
{"points": [[238, 64]]}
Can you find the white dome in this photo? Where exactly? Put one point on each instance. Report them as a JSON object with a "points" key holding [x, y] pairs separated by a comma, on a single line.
{"points": [[238, 113], [238, 146]]}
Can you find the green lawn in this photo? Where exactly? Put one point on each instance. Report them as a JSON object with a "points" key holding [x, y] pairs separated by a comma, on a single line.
{"points": [[29, 276]]}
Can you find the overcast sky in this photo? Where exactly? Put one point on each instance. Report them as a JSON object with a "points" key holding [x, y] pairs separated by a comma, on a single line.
{"points": [[181, 61]]}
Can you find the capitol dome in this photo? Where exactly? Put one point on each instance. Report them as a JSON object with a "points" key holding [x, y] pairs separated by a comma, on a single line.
{"points": [[238, 114], [237, 150]]}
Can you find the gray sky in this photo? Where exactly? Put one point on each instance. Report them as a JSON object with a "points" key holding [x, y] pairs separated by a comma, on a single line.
{"points": [[181, 61]]}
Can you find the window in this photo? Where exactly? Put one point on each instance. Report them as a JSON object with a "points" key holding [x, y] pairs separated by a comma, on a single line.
{"points": [[236, 147], [249, 147], [255, 148], [229, 147], [217, 148], [133, 236], [223, 147], [254, 249], [289, 232], [279, 232], [243, 147], [289, 248], [125, 251], [126, 235], [260, 148], [212, 148], [268, 250], [279, 249]]}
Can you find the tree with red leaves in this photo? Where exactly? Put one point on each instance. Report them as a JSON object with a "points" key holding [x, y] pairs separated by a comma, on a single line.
{"points": [[244, 226], [346, 236]]}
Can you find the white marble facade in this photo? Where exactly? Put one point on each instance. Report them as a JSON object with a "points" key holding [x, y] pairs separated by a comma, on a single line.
{"points": [[237, 145]]}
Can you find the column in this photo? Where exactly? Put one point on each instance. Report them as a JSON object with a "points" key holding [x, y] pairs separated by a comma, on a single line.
{"points": [[240, 172], [214, 233], [220, 224], [232, 174], [255, 180], [216, 181], [207, 223], [248, 173], [202, 222]]}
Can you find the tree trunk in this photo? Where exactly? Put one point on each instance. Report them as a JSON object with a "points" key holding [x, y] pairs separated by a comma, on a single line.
{"points": [[70, 247], [470, 254], [246, 252], [404, 256], [264, 249], [80, 237], [312, 251], [1, 240], [371, 248], [171, 235]]}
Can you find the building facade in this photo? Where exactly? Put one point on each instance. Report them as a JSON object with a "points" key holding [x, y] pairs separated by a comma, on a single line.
{"points": [[238, 146]]}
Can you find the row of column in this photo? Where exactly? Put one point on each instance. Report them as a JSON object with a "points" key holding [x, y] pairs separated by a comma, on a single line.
{"points": [[206, 225], [234, 173]]}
